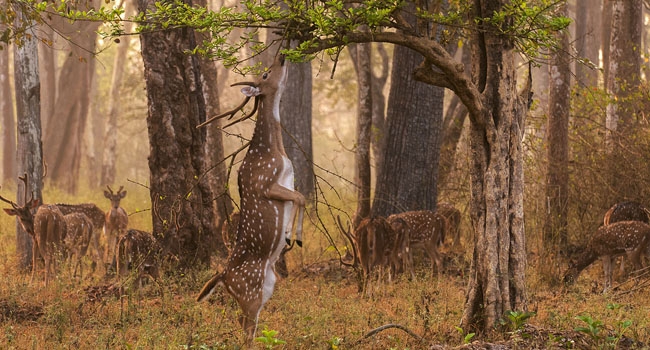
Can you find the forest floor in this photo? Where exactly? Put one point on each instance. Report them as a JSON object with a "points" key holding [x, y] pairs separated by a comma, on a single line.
{"points": [[317, 307]]}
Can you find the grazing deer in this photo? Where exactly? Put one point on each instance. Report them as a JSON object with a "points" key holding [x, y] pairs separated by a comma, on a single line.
{"points": [[78, 237], [229, 236], [269, 203], [453, 217], [138, 251], [626, 211], [116, 223], [47, 229], [425, 228], [97, 218], [623, 237]]}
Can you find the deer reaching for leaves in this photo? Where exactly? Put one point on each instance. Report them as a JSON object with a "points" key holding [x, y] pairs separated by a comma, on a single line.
{"points": [[269, 203]]}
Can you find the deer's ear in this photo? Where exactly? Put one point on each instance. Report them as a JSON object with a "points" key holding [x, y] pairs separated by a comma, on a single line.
{"points": [[34, 204], [250, 91], [106, 194], [123, 194], [11, 212]]}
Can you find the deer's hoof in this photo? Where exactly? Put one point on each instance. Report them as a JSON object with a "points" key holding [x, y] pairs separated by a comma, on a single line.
{"points": [[299, 243]]}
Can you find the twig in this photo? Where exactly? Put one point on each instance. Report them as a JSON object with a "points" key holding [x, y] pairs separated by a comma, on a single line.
{"points": [[387, 326]]}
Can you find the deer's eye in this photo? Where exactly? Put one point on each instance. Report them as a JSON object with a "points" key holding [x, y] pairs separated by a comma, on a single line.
{"points": [[265, 75]]}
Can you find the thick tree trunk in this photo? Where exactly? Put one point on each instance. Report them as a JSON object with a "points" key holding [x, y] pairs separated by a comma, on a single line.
{"points": [[8, 122], [30, 149], [498, 270], [182, 206], [408, 178]]}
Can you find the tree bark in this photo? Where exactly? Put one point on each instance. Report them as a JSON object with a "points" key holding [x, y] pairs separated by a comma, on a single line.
{"points": [[408, 178], [8, 122], [30, 149], [182, 206], [363, 67], [498, 270], [557, 173], [588, 40]]}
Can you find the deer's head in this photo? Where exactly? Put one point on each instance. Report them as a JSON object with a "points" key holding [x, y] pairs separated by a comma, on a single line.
{"points": [[25, 213], [115, 198]]}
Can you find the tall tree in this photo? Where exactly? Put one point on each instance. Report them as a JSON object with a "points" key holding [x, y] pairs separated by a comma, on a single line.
{"points": [[182, 206], [408, 178], [30, 149], [622, 85], [557, 172], [109, 159], [8, 123], [361, 55], [588, 40], [63, 144]]}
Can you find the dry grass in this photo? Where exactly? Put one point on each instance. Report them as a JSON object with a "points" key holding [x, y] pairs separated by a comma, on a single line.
{"points": [[318, 306]]}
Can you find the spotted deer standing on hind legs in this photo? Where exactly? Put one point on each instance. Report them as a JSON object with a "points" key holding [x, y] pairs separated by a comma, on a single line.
{"points": [[269, 203]]}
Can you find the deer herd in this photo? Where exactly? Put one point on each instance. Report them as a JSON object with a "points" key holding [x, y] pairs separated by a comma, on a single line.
{"points": [[60, 231], [270, 220]]}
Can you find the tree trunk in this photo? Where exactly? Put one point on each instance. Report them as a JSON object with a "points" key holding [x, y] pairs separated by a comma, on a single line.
{"points": [[217, 173], [588, 40], [63, 144], [109, 159], [622, 85], [47, 72], [295, 109], [379, 108], [498, 270], [8, 122], [30, 150], [363, 67], [606, 35], [408, 178], [557, 173], [182, 206]]}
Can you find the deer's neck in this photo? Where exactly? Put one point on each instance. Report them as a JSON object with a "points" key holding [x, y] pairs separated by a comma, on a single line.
{"points": [[267, 136]]}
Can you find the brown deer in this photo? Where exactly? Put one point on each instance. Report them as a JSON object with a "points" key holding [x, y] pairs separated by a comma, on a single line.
{"points": [[97, 218], [139, 252], [626, 211], [78, 237], [623, 237], [229, 236], [269, 203], [453, 217], [425, 228], [116, 222], [47, 229]]}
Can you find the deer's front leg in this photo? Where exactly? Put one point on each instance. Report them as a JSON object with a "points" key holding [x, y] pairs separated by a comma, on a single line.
{"points": [[281, 193]]}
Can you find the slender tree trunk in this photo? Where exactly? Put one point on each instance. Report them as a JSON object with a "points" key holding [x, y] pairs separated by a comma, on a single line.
{"points": [[8, 123], [588, 40], [606, 35], [363, 67], [379, 80], [557, 173], [30, 149], [217, 174], [109, 159], [182, 206], [47, 71]]}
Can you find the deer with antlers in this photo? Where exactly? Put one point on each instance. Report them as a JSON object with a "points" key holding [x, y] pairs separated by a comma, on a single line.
{"points": [[116, 223], [269, 203], [47, 227]]}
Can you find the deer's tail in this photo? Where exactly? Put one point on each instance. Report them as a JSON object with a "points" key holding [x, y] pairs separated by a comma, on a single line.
{"points": [[210, 286]]}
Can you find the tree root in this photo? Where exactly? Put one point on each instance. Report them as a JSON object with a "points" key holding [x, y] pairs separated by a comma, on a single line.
{"points": [[385, 327]]}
